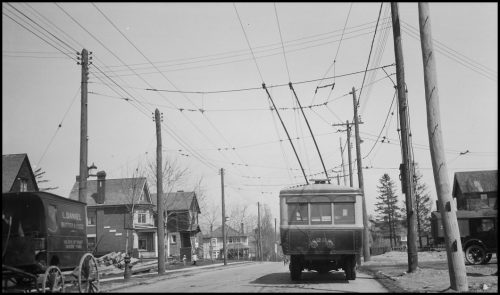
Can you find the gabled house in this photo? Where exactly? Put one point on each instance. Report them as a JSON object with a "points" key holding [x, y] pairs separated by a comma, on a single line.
{"points": [[17, 174], [120, 216], [239, 244], [181, 210], [475, 190]]}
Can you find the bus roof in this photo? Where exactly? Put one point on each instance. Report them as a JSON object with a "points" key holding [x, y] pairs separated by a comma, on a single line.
{"points": [[323, 188]]}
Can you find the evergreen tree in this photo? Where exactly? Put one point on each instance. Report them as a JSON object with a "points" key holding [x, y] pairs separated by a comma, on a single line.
{"points": [[387, 209], [423, 205]]}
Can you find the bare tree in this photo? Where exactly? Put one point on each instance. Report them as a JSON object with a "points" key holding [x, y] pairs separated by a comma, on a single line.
{"points": [[211, 216], [39, 175], [132, 190]]}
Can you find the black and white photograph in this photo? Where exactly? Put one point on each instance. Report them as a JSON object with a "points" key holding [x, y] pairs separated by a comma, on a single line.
{"points": [[244, 147]]}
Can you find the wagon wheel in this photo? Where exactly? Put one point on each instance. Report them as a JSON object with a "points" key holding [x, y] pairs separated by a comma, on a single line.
{"points": [[53, 280], [88, 275]]}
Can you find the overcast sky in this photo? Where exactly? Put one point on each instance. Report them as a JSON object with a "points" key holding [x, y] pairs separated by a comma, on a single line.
{"points": [[215, 57]]}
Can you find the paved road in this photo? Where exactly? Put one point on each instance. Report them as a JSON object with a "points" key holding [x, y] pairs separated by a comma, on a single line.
{"points": [[258, 277]]}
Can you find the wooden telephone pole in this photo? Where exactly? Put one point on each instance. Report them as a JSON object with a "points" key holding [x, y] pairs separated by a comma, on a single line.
{"points": [[224, 244], [159, 196], [348, 129], [407, 166], [447, 207], [366, 233], [343, 167], [83, 129], [260, 236]]}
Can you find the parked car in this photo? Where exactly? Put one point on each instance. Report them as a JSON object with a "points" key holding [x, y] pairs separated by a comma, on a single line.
{"points": [[478, 233]]}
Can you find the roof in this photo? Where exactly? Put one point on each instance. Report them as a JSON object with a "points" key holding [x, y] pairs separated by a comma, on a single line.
{"points": [[117, 191], [11, 164], [325, 188], [231, 232], [179, 201], [475, 181]]}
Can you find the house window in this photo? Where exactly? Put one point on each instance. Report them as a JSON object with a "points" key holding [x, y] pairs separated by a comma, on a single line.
{"points": [[23, 185], [141, 217], [173, 239], [321, 213], [143, 243], [343, 213], [91, 218], [297, 213]]}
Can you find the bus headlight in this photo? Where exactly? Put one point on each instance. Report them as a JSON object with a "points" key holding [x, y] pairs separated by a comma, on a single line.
{"points": [[329, 244], [313, 244]]}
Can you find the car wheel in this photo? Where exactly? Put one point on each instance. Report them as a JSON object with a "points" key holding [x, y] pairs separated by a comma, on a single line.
{"points": [[475, 254]]}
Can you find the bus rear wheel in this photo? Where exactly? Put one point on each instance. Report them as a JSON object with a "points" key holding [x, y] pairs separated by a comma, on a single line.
{"points": [[295, 268]]}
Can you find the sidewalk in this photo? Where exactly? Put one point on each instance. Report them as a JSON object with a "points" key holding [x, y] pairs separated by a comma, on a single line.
{"points": [[115, 283]]}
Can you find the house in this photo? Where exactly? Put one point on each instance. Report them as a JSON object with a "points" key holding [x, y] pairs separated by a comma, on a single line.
{"points": [[475, 190], [239, 244], [17, 174], [119, 216], [181, 210]]}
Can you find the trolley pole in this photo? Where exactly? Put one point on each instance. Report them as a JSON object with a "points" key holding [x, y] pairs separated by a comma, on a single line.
{"points": [[223, 216], [407, 171], [447, 207], [159, 196], [366, 234], [83, 129]]}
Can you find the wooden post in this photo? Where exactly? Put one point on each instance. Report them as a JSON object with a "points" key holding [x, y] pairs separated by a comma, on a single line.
{"points": [[349, 152], [343, 167], [159, 196], [366, 233], [82, 197], [447, 206], [224, 244], [260, 236], [407, 167]]}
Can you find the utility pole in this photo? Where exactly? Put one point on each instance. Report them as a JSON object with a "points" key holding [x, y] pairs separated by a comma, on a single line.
{"points": [[159, 196], [343, 167], [260, 237], [83, 129], [348, 129], [447, 206], [366, 234], [275, 246], [223, 216], [406, 167], [349, 151]]}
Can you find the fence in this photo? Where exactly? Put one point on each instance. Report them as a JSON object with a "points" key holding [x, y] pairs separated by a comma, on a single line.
{"points": [[381, 250]]}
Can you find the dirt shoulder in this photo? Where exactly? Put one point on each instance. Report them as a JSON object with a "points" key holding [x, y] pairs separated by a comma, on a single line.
{"points": [[431, 275]]}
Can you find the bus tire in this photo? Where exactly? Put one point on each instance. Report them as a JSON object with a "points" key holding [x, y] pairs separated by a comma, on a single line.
{"points": [[350, 268], [295, 268]]}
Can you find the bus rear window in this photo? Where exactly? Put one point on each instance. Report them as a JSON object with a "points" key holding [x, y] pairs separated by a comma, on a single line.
{"points": [[321, 213], [297, 213], [343, 213]]}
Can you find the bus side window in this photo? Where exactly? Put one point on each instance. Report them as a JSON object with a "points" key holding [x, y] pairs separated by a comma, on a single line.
{"points": [[343, 213], [297, 213]]}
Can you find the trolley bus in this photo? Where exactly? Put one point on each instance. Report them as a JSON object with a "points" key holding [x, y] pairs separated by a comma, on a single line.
{"points": [[321, 228]]}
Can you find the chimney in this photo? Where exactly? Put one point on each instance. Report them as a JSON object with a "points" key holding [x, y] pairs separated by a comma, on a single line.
{"points": [[101, 187], [242, 229]]}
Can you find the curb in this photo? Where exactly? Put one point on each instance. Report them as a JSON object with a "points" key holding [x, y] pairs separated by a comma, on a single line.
{"points": [[387, 281], [170, 274]]}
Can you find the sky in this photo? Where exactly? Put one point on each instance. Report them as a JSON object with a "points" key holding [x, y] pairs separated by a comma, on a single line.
{"points": [[203, 65]]}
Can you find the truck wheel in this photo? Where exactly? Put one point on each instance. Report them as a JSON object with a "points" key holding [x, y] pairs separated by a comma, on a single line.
{"points": [[295, 269], [487, 258], [350, 268], [475, 254]]}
